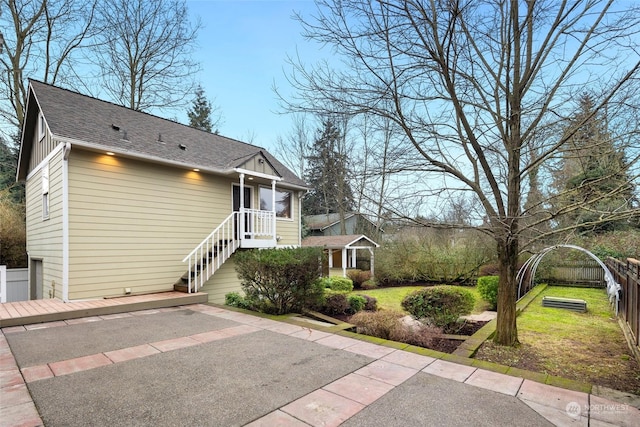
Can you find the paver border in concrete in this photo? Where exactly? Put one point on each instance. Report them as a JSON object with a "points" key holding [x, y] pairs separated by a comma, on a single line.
{"points": [[390, 368]]}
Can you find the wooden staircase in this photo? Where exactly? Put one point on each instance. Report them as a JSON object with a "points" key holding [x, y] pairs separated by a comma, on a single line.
{"points": [[192, 275], [209, 255]]}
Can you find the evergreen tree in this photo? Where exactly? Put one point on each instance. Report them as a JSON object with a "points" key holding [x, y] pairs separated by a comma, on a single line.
{"points": [[592, 176], [327, 174], [200, 114]]}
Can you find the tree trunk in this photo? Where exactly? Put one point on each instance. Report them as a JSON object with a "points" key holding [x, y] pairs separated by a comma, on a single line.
{"points": [[508, 231], [506, 329]]}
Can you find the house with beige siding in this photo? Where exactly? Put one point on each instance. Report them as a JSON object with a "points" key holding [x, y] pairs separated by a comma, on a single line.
{"points": [[123, 202]]}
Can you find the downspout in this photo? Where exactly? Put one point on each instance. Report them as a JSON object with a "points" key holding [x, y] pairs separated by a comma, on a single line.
{"points": [[273, 209], [242, 218], [65, 221], [299, 216]]}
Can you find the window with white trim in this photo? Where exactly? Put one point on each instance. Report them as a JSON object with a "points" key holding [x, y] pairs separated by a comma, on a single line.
{"points": [[284, 202], [42, 127], [45, 191]]}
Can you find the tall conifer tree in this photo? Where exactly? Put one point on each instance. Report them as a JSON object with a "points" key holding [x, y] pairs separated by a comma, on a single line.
{"points": [[200, 112], [327, 174]]}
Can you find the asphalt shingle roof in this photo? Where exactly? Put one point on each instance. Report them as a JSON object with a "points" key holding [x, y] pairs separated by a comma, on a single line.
{"points": [[322, 221], [339, 241], [104, 125]]}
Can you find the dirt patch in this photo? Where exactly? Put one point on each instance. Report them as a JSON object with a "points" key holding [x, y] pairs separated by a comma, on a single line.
{"points": [[444, 345], [467, 328]]}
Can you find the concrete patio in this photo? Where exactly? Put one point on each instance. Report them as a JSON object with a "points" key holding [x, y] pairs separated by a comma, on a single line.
{"points": [[199, 364]]}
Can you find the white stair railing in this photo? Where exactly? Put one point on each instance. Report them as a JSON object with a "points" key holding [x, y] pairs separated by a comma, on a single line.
{"points": [[212, 252]]}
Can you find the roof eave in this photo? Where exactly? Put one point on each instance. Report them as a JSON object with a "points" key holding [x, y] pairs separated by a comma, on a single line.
{"points": [[162, 161], [26, 135], [138, 156]]}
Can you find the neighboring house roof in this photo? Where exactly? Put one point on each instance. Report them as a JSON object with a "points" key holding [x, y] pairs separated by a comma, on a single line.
{"points": [[323, 221], [99, 125], [339, 242]]}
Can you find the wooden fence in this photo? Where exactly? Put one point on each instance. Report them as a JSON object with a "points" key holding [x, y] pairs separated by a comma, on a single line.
{"points": [[627, 274], [14, 284], [578, 273]]}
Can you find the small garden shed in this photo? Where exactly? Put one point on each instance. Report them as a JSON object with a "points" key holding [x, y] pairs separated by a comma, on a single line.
{"points": [[342, 250]]}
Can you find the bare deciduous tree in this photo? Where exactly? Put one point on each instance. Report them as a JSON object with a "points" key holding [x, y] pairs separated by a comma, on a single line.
{"points": [[41, 40], [293, 148], [144, 53], [472, 84]]}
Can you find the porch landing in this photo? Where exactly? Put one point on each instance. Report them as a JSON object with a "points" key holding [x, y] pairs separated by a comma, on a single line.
{"points": [[50, 310]]}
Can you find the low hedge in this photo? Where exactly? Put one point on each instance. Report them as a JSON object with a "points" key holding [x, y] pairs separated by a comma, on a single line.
{"points": [[440, 305], [488, 289], [337, 283]]}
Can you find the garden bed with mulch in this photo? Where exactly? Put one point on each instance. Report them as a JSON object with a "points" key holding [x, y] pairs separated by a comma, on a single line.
{"points": [[446, 341], [450, 340]]}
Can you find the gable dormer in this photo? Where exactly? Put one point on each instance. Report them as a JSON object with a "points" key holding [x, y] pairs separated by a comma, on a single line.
{"points": [[259, 163], [37, 140]]}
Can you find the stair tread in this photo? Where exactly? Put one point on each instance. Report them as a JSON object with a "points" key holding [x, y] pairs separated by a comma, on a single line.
{"points": [[207, 261]]}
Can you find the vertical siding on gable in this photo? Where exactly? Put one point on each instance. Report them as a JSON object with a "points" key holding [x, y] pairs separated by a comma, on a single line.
{"points": [[44, 237], [260, 165], [40, 148], [131, 223]]}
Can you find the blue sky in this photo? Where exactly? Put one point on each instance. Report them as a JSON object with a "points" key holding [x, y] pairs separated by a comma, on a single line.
{"points": [[243, 47]]}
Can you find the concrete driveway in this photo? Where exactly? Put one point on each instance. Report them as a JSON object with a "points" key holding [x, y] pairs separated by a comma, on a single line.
{"points": [[201, 365]]}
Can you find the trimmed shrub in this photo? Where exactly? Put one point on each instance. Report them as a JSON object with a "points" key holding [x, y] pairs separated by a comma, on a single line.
{"points": [[336, 303], [371, 303], [234, 299], [369, 284], [337, 283], [280, 281], [488, 289], [356, 303], [358, 277], [353, 275], [441, 305]]}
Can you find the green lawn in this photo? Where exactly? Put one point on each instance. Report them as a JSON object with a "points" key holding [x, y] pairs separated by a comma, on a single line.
{"points": [[391, 298], [598, 320], [588, 347]]}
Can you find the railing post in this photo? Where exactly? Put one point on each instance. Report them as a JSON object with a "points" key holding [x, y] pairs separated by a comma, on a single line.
{"points": [[189, 277], [241, 210], [273, 208]]}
